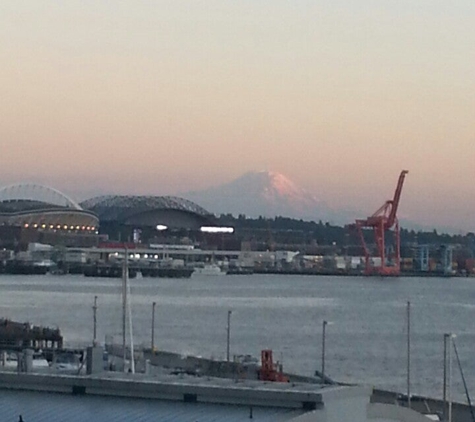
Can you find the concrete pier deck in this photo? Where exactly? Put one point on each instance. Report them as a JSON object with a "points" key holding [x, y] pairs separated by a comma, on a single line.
{"points": [[182, 388]]}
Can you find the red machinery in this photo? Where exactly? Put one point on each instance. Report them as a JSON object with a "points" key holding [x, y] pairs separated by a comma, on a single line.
{"points": [[382, 220], [270, 371]]}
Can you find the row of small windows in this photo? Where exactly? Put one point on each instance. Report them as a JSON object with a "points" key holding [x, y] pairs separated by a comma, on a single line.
{"points": [[59, 227], [118, 255]]}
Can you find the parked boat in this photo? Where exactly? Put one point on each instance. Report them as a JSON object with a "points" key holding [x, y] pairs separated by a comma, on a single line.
{"points": [[67, 362], [9, 360], [209, 270], [40, 361]]}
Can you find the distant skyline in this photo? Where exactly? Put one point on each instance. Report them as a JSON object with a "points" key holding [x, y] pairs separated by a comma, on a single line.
{"points": [[166, 97]]}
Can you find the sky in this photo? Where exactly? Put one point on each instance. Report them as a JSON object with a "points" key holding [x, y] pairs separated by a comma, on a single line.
{"points": [[162, 97]]}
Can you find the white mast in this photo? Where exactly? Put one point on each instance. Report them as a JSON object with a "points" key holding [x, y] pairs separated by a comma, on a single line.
{"points": [[132, 360], [124, 307], [126, 310]]}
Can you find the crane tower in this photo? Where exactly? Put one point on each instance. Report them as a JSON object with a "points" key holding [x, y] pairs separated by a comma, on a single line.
{"points": [[384, 219]]}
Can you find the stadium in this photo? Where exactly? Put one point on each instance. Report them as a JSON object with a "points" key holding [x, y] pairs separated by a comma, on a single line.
{"points": [[134, 218], [150, 211], [36, 213]]}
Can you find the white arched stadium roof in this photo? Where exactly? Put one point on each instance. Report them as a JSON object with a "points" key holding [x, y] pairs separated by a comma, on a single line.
{"points": [[36, 192]]}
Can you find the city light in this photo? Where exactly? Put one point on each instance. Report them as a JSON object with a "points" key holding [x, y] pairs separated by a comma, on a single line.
{"points": [[212, 229], [161, 227]]}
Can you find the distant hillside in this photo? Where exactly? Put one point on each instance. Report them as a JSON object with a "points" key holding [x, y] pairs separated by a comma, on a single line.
{"points": [[288, 233]]}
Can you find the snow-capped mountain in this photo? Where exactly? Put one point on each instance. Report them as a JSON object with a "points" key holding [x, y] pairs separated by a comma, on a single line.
{"points": [[267, 194]]}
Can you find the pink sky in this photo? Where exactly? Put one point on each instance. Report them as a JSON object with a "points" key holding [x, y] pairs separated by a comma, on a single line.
{"points": [[163, 97]]}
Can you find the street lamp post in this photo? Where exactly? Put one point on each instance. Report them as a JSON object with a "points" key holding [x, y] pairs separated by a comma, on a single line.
{"points": [[228, 335], [446, 337], [324, 327], [409, 355], [94, 309], [153, 327], [449, 373]]}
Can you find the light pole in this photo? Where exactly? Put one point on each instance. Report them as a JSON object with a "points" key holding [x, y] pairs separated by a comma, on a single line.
{"points": [[446, 338], [94, 309], [228, 336], [153, 327], [324, 329], [409, 355], [449, 373]]}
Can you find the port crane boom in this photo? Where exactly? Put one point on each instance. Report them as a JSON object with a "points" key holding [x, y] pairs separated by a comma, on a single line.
{"points": [[384, 219]]}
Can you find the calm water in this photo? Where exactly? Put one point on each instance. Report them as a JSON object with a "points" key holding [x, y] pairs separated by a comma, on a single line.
{"points": [[366, 342]]}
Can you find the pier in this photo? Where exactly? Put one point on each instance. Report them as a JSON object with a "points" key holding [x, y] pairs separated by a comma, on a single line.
{"points": [[19, 336]]}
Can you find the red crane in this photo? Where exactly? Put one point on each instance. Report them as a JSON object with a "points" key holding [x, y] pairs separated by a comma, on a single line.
{"points": [[382, 220]]}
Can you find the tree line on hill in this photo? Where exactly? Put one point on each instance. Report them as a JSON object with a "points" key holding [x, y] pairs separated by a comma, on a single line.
{"points": [[285, 230]]}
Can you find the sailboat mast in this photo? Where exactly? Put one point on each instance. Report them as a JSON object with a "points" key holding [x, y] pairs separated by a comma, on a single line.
{"points": [[129, 308], [127, 313], [125, 270]]}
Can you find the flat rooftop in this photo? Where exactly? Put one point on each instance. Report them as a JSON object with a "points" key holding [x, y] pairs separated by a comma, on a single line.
{"points": [[159, 385], [50, 407]]}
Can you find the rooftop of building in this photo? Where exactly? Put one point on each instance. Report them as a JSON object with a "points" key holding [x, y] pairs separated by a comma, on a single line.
{"points": [[127, 397]]}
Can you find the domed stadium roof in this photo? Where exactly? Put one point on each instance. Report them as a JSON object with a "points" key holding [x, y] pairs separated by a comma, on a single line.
{"points": [[35, 192], [25, 205], [148, 210], [38, 206]]}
